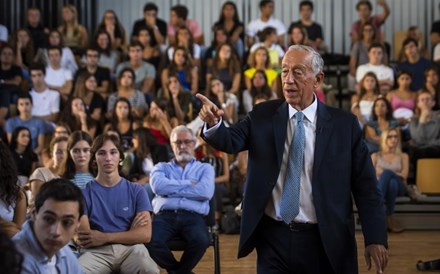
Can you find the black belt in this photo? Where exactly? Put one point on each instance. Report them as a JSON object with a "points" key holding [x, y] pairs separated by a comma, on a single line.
{"points": [[293, 226]]}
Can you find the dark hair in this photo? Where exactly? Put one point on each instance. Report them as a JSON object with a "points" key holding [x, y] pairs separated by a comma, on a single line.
{"points": [[9, 187], [108, 49], [145, 140], [59, 34], [150, 6], [364, 2], [388, 114], [70, 119], [369, 24], [264, 3], [60, 190], [221, 19], [37, 67], [125, 70], [187, 65], [264, 33], [115, 120], [99, 142], [408, 41], [25, 95], [10, 258], [14, 137], [59, 48], [232, 65], [404, 72], [306, 3], [376, 45], [56, 141], [74, 138], [118, 25], [181, 11], [7, 46], [81, 90], [265, 90], [376, 88], [190, 46], [134, 44]]}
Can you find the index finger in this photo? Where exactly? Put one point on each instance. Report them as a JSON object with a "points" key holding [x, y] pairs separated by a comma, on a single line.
{"points": [[203, 99]]}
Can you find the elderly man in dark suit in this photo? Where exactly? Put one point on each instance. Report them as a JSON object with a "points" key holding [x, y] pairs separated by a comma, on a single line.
{"points": [[306, 162]]}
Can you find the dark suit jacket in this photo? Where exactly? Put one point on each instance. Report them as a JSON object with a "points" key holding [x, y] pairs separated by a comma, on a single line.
{"points": [[342, 167]]}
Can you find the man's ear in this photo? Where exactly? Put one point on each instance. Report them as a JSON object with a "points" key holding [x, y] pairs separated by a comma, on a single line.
{"points": [[319, 78]]}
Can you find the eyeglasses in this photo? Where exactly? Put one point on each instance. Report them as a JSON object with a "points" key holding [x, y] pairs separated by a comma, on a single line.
{"points": [[392, 137], [186, 142]]}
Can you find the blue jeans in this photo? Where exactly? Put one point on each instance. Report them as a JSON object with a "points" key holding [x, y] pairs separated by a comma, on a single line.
{"points": [[189, 226], [391, 186]]}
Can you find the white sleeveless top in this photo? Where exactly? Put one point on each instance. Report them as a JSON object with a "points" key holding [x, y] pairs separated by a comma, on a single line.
{"points": [[6, 213]]}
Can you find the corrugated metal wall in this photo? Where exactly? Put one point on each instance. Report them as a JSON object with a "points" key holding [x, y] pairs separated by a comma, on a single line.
{"points": [[335, 16]]}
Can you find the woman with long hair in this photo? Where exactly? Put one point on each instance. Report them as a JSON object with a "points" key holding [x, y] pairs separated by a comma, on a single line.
{"points": [[269, 39], [126, 90], [150, 53], [85, 88], [25, 51], [359, 50], [181, 107], [75, 36], [110, 23], [76, 116], [298, 36], [381, 120], [108, 57], [402, 99], [78, 167], [226, 67], [12, 198], [392, 167], [259, 59], [122, 122], [58, 152], [185, 40], [225, 100], [362, 104], [146, 153], [182, 66], [259, 88], [158, 121], [432, 85], [25, 158], [230, 22]]}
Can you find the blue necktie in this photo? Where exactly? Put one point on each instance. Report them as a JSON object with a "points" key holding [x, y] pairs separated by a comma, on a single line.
{"points": [[289, 206]]}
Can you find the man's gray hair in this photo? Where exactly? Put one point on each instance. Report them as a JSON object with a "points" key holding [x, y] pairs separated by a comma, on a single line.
{"points": [[182, 128], [317, 61]]}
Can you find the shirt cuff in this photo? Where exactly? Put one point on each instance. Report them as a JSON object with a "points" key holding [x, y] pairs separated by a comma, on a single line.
{"points": [[208, 132]]}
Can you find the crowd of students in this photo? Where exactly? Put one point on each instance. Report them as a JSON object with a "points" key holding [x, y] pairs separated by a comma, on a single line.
{"points": [[59, 90]]}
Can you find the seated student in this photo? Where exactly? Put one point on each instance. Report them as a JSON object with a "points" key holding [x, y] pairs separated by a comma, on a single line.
{"points": [[432, 84], [185, 40], [25, 158], [182, 188], [225, 100], [384, 74], [25, 50], [392, 167], [179, 17], [74, 34], [10, 80], [158, 121], [108, 57], [268, 39], [150, 53], [116, 221], [414, 33], [220, 36], [402, 99], [58, 78], [425, 130], [381, 120], [46, 102], [77, 117], [259, 59], [55, 220], [102, 74], [156, 26], [362, 104], [145, 72], [12, 198], [259, 87], [85, 88], [36, 126], [180, 106], [110, 24]]}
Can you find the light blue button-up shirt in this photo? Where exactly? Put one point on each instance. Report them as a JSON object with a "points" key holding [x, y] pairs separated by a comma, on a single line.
{"points": [[188, 188], [35, 259]]}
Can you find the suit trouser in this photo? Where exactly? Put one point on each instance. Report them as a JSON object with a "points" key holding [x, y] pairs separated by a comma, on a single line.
{"points": [[117, 257], [290, 250]]}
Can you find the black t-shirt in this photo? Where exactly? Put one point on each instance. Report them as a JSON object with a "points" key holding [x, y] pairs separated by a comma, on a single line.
{"points": [[101, 74], [97, 102], [162, 25], [435, 28], [39, 37], [24, 162], [11, 73], [314, 31], [229, 33]]}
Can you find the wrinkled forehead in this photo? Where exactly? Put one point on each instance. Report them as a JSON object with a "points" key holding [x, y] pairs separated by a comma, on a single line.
{"points": [[297, 58]]}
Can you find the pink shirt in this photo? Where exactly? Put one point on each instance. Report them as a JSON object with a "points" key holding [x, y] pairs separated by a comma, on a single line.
{"points": [[192, 25], [356, 27]]}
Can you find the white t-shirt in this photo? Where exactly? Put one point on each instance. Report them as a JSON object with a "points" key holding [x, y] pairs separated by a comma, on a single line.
{"points": [[382, 72], [57, 78], [436, 55], [45, 103], [256, 25]]}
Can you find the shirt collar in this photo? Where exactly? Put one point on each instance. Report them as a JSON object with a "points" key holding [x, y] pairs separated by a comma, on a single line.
{"points": [[309, 112]]}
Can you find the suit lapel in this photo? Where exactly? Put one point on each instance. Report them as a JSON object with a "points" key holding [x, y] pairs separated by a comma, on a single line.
{"points": [[324, 127], [279, 121]]}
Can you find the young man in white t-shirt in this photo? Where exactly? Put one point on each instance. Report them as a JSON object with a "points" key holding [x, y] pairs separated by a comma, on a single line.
{"points": [[265, 20], [46, 102], [384, 74], [58, 78]]}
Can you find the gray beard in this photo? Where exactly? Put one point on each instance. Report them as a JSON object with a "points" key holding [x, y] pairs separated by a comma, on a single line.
{"points": [[184, 157]]}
